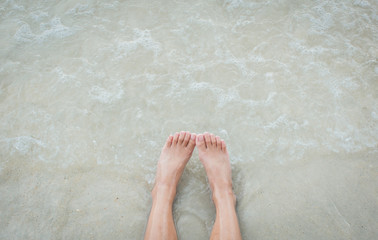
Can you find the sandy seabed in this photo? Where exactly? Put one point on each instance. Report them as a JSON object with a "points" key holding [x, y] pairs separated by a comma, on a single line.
{"points": [[90, 90]]}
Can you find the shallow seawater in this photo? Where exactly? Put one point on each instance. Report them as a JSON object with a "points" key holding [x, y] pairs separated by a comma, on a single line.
{"points": [[90, 90]]}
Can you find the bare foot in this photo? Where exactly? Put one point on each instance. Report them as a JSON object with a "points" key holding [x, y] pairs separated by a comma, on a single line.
{"points": [[214, 156], [173, 158]]}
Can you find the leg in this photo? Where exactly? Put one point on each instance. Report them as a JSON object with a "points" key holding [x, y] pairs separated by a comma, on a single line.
{"points": [[175, 154], [214, 156]]}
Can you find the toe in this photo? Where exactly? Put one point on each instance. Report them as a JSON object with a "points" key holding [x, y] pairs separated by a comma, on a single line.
{"points": [[181, 137], [219, 144], [224, 149], [186, 139], [213, 140], [168, 143], [207, 139], [192, 141], [200, 142], [175, 138]]}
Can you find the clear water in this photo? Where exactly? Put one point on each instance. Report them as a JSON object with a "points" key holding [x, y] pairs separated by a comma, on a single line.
{"points": [[89, 91]]}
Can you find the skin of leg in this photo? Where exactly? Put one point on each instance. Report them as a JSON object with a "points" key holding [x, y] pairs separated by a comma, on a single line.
{"points": [[174, 156], [214, 156]]}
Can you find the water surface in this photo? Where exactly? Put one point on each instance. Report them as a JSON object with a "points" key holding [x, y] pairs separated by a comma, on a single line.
{"points": [[90, 90]]}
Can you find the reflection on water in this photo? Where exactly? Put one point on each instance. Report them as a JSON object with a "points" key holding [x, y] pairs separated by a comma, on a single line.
{"points": [[90, 90]]}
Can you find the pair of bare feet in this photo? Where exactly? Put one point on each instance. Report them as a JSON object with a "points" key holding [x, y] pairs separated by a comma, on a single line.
{"points": [[177, 151], [174, 156]]}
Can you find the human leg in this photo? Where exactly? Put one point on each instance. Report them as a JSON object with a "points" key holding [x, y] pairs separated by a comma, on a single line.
{"points": [[214, 156], [174, 156]]}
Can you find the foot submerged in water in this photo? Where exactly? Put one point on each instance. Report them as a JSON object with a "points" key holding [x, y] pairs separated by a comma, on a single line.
{"points": [[173, 158], [214, 157]]}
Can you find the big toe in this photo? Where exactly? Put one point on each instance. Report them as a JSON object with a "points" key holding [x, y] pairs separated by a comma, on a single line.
{"points": [[192, 141], [200, 142]]}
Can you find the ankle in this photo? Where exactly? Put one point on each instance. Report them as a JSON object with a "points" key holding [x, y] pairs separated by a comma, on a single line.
{"points": [[164, 192], [224, 195]]}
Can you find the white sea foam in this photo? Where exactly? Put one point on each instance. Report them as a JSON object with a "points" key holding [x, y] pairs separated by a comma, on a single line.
{"points": [[361, 3], [80, 9], [141, 38], [199, 85], [106, 95], [233, 4], [64, 77], [24, 34], [38, 16], [52, 29], [23, 144], [374, 115]]}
